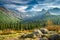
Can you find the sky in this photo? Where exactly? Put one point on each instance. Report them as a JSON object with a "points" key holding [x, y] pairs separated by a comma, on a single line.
{"points": [[30, 5]]}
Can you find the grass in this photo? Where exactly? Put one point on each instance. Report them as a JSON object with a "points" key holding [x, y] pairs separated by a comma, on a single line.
{"points": [[7, 18], [12, 35], [9, 37]]}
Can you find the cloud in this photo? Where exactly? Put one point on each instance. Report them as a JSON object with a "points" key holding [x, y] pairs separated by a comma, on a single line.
{"points": [[30, 5], [15, 1], [22, 2], [54, 6], [28, 2], [21, 8], [10, 6], [46, 1], [39, 7]]}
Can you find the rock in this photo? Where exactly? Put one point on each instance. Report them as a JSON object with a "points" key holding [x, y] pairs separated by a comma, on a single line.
{"points": [[27, 36], [36, 38], [44, 30], [27, 39], [38, 33], [43, 38], [22, 36], [54, 37]]}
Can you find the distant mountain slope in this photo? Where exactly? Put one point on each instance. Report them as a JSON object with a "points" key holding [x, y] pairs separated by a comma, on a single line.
{"points": [[54, 11], [53, 18], [46, 15], [7, 16]]}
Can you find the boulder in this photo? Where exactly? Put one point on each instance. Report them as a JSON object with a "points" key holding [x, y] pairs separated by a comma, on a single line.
{"points": [[27, 36], [54, 37], [44, 30], [38, 33], [44, 38]]}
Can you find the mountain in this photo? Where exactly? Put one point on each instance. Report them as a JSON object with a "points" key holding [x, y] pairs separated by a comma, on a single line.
{"points": [[16, 16], [48, 16], [34, 15], [19, 14], [6, 16], [54, 11], [52, 14], [43, 16]]}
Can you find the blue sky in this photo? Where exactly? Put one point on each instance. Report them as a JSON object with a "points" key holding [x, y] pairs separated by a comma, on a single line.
{"points": [[30, 5]]}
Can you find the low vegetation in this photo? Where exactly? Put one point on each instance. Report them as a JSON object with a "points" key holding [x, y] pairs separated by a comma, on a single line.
{"points": [[12, 31]]}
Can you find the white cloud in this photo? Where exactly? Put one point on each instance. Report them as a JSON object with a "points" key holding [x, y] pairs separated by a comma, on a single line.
{"points": [[10, 5], [39, 7], [16, 1], [36, 8], [16, 7], [54, 6], [21, 8], [42, 4], [21, 1]]}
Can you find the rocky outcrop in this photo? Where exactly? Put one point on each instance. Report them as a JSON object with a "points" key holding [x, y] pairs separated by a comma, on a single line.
{"points": [[54, 37], [38, 33], [43, 38], [44, 30], [27, 36], [42, 34]]}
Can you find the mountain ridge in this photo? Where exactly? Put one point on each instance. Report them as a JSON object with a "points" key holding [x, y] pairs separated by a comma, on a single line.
{"points": [[7, 16]]}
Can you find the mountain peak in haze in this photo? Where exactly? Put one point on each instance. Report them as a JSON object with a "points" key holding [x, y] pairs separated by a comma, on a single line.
{"points": [[55, 11]]}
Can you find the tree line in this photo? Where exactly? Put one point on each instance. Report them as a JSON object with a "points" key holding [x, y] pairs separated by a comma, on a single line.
{"points": [[25, 26]]}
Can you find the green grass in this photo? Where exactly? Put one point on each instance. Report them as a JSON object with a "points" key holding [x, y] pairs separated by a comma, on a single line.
{"points": [[7, 18]]}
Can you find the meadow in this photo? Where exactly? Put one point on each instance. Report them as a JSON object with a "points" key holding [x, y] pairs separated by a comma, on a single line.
{"points": [[14, 31]]}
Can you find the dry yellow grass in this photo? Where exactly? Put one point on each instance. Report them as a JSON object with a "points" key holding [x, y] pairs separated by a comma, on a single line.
{"points": [[54, 28]]}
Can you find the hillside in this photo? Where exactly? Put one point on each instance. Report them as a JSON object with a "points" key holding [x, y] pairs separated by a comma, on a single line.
{"points": [[7, 16]]}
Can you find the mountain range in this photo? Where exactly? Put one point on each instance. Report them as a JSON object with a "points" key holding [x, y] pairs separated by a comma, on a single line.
{"points": [[14, 16], [53, 14]]}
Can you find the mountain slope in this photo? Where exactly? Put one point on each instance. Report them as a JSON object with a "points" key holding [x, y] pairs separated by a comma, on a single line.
{"points": [[7, 16], [54, 11], [53, 18]]}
